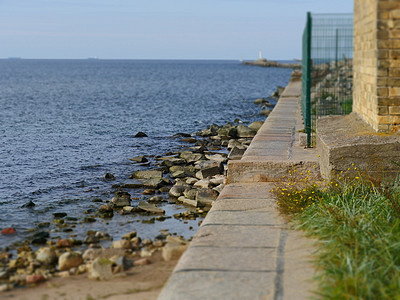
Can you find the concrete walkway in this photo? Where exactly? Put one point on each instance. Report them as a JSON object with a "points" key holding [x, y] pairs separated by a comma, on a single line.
{"points": [[244, 249]]}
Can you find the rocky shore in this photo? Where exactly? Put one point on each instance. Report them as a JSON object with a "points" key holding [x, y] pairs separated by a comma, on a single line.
{"points": [[271, 64], [192, 177]]}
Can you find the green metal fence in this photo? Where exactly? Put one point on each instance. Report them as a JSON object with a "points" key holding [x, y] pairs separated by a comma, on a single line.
{"points": [[327, 79]]}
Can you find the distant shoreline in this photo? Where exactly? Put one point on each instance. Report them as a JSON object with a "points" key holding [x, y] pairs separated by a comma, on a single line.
{"points": [[271, 64]]}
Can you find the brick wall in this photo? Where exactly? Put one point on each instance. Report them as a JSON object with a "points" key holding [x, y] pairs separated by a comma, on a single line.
{"points": [[376, 96]]}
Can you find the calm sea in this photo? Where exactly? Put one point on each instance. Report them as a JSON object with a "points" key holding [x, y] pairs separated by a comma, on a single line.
{"points": [[65, 123]]}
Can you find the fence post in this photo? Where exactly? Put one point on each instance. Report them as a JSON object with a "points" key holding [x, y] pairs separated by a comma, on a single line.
{"points": [[306, 78]]}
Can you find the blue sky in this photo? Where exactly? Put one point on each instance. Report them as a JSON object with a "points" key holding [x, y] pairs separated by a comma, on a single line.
{"points": [[157, 29]]}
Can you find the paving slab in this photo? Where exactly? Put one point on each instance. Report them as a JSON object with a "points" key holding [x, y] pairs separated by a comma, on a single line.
{"points": [[249, 218], [218, 285]]}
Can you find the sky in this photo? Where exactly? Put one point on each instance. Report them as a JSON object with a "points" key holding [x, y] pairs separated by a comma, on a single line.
{"points": [[157, 29]]}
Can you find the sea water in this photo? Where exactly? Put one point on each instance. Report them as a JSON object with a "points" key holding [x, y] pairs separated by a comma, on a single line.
{"points": [[66, 123]]}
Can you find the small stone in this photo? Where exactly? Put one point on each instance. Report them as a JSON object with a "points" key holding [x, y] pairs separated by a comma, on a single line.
{"points": [[204, 183], [130, 235], [265, 112], [69, 260], [29, 204], [34, 278], [218, 179], [91, 239], [149, 192], [244, 131], [64, 243], [177, 190], [190, 202], [236, 153], [105, 208], [260, 101], [139, 159], [121, 199], [206, 196], [142, 262], [140, 134], [256, 125], [109, 177], [9, 230], [156, 199], [147, 174], [191, 180], [174, 248]]}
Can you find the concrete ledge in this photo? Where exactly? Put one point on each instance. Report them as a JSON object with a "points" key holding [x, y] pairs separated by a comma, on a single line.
{"points": [[349, 147]]}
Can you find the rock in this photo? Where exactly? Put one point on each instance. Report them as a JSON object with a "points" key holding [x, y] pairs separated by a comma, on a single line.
{"points": [[28, 204], [256, 125], [236, 153], [40, 237], [265, 112], [121, 199], [101, 269], [139, 159], [5, 287], [9, 230], [147, 252], [210, 171], [164, 189], [149, 192], [64, 243], [178, 174], [142, 262], [174, 248], [260, 101], [217, 157], [190, 202], [69, 260], [109, 177], [130, 209], [244, 131], [136, 185], [203, 183], [154, 183], [173, 161], [218, 179], [181, 171], [122, 244], [91, 239], [190, 193], [105, 208], [150, 208], [140, 134], [147, 174], [206, 196], [177, 190], [129, 236], [219, 188], [191, 140], [190, 156], [191, 180], [35, 278], [46, 256], [156, 199]]}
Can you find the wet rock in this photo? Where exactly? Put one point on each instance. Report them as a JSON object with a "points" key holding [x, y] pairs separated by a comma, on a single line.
{"points": [[136, 185], [8, 231], [236, 153], [210, 171], [260, 101], [89, 219], [29, 204], [64, 243], [121, 199], [140, 134], [129, 236], [244, 131], [265, 112], [217, 180], [156, 199], [173, 162], [46, 256], [256, 125], [174, 248], [147, 174], [35, 279], [105, 208], [40, 237], [151, 208], [164, 189], [109, 177], [139, 159], [219, 188], [190, 202], [4, 257], [191, 140], [206, 196], [101, 269], [59, 215], [130, 209], [154, 183], [91, 239], [149, 192], [69, 260]]}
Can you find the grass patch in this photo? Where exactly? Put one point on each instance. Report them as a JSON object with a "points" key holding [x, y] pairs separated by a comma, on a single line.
{"points": [[357, 223]]}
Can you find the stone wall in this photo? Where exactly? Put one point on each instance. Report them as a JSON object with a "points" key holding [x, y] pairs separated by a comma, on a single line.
{"points": [[376, 96]]}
